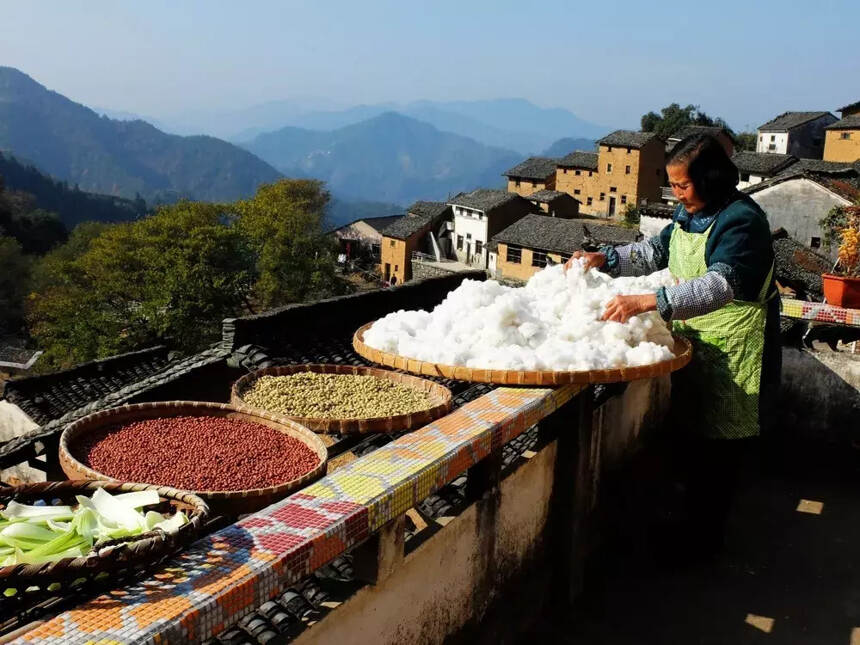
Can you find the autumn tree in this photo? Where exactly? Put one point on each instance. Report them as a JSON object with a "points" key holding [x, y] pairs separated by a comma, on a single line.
{"points": [[169, 278], [283, 224]]}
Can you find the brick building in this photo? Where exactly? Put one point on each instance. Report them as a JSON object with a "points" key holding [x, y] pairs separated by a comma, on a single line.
{"points": [[842, 139], [523, 248], [417, 231], [532, 175]]}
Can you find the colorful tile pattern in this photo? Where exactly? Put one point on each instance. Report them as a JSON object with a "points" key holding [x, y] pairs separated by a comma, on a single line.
{"points": [[820, 312], [226, 575]]}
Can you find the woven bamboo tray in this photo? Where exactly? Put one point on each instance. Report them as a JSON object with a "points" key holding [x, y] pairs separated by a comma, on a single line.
{"points": [[682, 354], [113, 558], [226, 502], [440, 399]]}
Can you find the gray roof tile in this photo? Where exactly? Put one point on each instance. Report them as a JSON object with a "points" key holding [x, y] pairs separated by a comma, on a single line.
{"points": [[533, 168], [484, 199], [762, 163], [419, 215], [848, 123], [579, 159], [788, 120], [561, 235], [627, 138], [547, 196]]}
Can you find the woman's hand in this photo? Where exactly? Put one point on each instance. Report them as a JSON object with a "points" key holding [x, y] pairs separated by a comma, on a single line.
{"points": [[592, 260], [623, 308]]}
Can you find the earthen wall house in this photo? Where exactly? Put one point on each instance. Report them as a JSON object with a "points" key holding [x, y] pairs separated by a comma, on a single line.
{"points": [[532, 175]]}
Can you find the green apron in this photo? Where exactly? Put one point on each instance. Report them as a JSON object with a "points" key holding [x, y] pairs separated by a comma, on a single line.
{"points": [[718, 392]]}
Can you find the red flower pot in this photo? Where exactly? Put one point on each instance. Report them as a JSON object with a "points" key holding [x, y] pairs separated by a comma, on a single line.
{"points": [[842, 291]]}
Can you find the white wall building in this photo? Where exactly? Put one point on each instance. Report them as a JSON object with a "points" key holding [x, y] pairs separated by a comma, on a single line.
{"points": [[795, 133]]}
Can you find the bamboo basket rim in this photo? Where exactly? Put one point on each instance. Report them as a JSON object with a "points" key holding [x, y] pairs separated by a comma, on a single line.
{"points": [[682, 351], [99, 420], [441, 398], [112, 554]]}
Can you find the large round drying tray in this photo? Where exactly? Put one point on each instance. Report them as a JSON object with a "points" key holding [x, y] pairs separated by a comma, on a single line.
{"points": [[682, 353], [439, 395], [228, 502]]}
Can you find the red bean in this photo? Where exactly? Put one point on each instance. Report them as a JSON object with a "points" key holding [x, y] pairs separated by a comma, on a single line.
{"points": [[197, 453]]}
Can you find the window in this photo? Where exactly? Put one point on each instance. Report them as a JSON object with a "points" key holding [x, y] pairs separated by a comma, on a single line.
{"points": [[564, 170], [844, 135], [772, 146], [590, 173], [761, 137], [628, 151], [624, 199], [577, 173], [612, 189], [478, 247], [815, 243], [609, 167], [396, 268], [517, 183], [468, 236], [515, 254], [626, 170], [602, 196], [538, 259], [773, 137], [608, 148], [459, 242], [588, 202], [745, 176], [576, 191], [391, 243]]}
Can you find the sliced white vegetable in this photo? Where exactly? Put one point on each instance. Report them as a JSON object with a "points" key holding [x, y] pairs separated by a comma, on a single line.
{"points": [[16, 510]]}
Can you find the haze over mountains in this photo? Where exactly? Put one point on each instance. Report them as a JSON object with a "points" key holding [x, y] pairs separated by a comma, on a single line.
{"points": [[369, 153]]}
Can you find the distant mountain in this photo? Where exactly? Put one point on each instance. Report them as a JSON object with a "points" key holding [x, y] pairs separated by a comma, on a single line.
{"points": [[71, 205], [121, 158], [567, 145], [390, 158], [516, 124]]}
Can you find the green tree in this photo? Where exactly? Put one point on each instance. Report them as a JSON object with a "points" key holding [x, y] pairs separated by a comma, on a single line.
{"points": [[283, 224], [170, 278], [14, 278], [745, 141], [674, 117]]}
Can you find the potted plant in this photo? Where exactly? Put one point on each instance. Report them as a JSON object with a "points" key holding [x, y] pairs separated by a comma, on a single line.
{"points": [[842, 287]]}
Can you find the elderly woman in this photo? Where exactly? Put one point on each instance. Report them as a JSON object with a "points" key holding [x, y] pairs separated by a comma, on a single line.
{"points": [[719, 248]]}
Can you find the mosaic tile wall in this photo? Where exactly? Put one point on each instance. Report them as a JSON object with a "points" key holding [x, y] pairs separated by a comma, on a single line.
{"points": [[226, 575], [820, 312]]}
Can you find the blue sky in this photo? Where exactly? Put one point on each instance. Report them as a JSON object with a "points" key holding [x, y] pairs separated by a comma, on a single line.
{"points": [[608, 61]]}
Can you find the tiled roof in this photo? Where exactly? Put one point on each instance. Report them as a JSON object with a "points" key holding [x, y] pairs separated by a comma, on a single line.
{"points": [[657, 209], [842, 179], [819, 165], [419, 215], [788, 120], [798, 266], [762, 163], [850, 106], [533, 168], [627, 138], [579, 159], [50, 396], [848, 123], [484, 199], [547, 196], [562, 235]]}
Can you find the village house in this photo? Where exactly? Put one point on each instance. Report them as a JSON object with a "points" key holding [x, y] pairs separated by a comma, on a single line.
{"points": [[797, 199], [424, 229], [555, 203], [755, 167], [526, 246], [363, 237], [478, 216], [653, 217], [574, 175], [842, 139], [795, 133], [532, 175], [628, 167]]}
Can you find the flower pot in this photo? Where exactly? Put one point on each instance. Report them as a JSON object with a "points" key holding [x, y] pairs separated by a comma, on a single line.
{"points": [[842, 291]]}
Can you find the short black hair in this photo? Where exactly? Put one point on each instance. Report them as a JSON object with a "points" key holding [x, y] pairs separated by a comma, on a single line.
{"points": [[709, 166]]}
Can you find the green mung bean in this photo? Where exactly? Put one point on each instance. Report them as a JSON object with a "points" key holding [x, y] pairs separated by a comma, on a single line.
{"points": [[334, 396]]}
